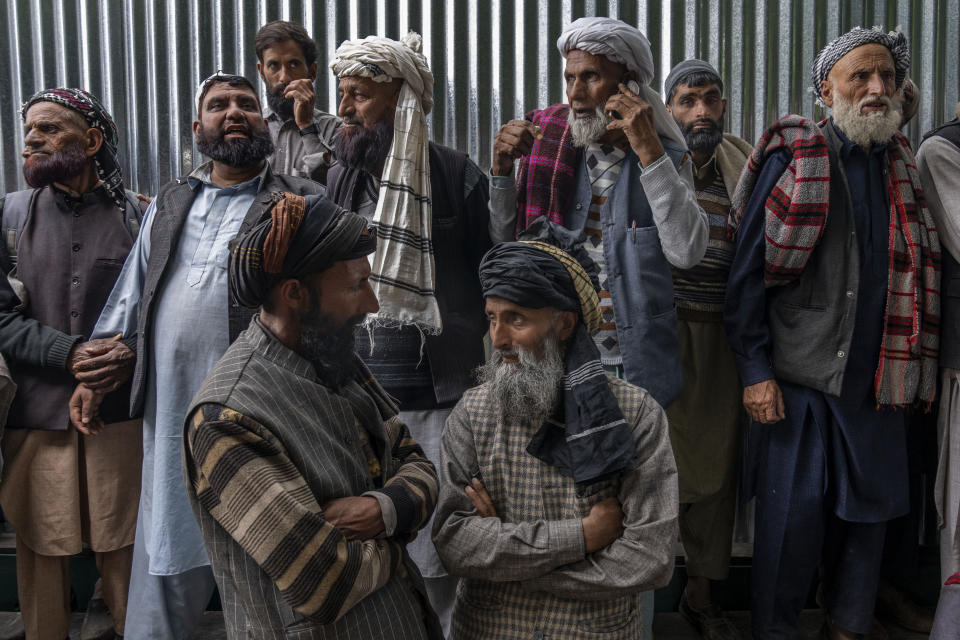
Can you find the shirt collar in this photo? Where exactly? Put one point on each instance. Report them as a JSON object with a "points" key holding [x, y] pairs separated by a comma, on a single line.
{"points": [[201, 176], [709, 168]]}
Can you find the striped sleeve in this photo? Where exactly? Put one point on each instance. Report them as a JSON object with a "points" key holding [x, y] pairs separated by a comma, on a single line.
{"points": [[244, 479], [413, 489]]}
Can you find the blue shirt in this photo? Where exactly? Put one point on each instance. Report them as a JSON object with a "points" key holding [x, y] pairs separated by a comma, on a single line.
{"points": [[867, 463], [190, 333]]}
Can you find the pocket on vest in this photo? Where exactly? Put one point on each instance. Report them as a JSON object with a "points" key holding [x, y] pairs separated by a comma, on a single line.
{"points": [[656, 282]]}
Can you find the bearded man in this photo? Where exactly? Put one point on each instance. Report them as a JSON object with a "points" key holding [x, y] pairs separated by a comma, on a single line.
{"points": [[428, 204], [611, 163], [558, 497], [68, 237], [305, 483], [302, 134], [833, 315], [172, 296], [705, 419]]}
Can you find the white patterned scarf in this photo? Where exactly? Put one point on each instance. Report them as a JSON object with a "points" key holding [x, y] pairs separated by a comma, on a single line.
{"points": [[402, 268]]}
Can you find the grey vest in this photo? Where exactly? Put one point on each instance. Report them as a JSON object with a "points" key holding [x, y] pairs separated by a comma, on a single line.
{"points": [[811, 320], [640, 281], [173, 204], [950, 276], [265, 381]]}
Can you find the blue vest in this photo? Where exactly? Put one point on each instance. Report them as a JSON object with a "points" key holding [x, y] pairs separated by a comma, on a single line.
{"points": [[639, 277]]}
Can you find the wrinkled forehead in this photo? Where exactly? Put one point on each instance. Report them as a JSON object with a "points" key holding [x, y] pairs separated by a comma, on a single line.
{"points": [[229, 93], [579, 61], [868, 57], [51, 111]]}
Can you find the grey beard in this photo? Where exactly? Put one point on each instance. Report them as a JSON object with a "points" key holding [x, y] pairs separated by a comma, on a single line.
{"points": [[587, 130], [525, 392], [869, 129]]}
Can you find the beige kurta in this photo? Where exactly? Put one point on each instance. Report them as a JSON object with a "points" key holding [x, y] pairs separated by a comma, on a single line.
{"points": [[61, 488]]}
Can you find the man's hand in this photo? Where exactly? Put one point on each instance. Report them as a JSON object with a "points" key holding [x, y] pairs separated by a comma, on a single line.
{"points": [[636, 121], [481, 499], [85, 410], [304, 98], [102, 364], [764, 402], [603, 524], [514, 140], [358, 518]]}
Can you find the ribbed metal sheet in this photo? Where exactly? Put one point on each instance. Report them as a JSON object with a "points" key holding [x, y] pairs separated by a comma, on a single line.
{"points": [[492, 59]]}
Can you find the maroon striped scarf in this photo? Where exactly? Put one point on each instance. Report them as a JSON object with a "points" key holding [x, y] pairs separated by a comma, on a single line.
{"points": [[545, 180], [796, 214]]}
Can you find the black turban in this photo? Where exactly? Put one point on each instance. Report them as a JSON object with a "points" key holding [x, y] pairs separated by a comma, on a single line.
{"points": [[300, 236], [589, 439], [548, 268]]}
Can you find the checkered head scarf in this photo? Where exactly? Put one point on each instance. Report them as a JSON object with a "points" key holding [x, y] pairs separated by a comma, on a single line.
{"points": [[895, 41], [402, 270], [107, 160]]}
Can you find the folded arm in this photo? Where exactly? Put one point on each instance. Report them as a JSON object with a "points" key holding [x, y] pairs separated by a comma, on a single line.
{"points": [[641, 559], [241, 476], [408, 498], [486, 547]]}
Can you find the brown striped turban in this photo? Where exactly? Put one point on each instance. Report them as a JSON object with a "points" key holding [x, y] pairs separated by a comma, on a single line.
{"points": [[301, 236]]}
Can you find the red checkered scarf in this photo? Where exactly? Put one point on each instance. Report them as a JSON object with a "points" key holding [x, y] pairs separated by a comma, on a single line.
{"points": [[796, 214], [545, 180]]}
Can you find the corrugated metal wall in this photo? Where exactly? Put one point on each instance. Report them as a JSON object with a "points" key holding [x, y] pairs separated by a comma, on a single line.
{"points": [[492, 59]]}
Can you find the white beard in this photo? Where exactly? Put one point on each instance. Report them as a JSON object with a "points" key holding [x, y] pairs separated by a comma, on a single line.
{"points": [[867, 129], [525, 392], [587, 130]]}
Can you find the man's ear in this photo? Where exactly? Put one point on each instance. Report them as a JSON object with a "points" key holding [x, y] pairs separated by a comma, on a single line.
{"points": [[292, 293], [566, 323], [94, 141], [826, 92], [313, 71], [260, 71], [196, 126], [724, 102]]}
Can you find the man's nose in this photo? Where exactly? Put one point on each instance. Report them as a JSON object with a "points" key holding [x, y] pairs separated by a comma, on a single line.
{"points": [[284, 75], [370, 302], [499, 336], [875, 85], [344, 107]]}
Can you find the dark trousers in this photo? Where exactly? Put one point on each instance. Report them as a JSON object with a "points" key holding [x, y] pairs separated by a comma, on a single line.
{"points": [[797, 532]]}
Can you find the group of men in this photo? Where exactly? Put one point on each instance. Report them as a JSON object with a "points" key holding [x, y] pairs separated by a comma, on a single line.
{"points": [[272, 377]]}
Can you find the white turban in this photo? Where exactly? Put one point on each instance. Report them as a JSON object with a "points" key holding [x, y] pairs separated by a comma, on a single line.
{"points": [[624, 44], [383, 59]]}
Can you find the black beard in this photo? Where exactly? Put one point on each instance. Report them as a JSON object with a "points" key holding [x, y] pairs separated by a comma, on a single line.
{"points": [[281, 106], [362, 149], [237, 152], [60, 166], [704, 141], [329, 349]]}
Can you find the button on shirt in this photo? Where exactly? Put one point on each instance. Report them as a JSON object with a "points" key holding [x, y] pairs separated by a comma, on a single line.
{"points": [[306, 155], [191, 333]]}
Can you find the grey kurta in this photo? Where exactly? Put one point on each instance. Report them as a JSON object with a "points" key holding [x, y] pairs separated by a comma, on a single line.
{"points": [[303, 155], [527, 570], [938, 161]]}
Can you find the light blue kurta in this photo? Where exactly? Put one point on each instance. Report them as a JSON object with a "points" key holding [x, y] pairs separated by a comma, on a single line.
{"points": [[190, 332]]}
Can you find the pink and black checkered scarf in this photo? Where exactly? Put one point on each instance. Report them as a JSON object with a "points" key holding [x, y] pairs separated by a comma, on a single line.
{"points": [[796, 214], [545, 180]]}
